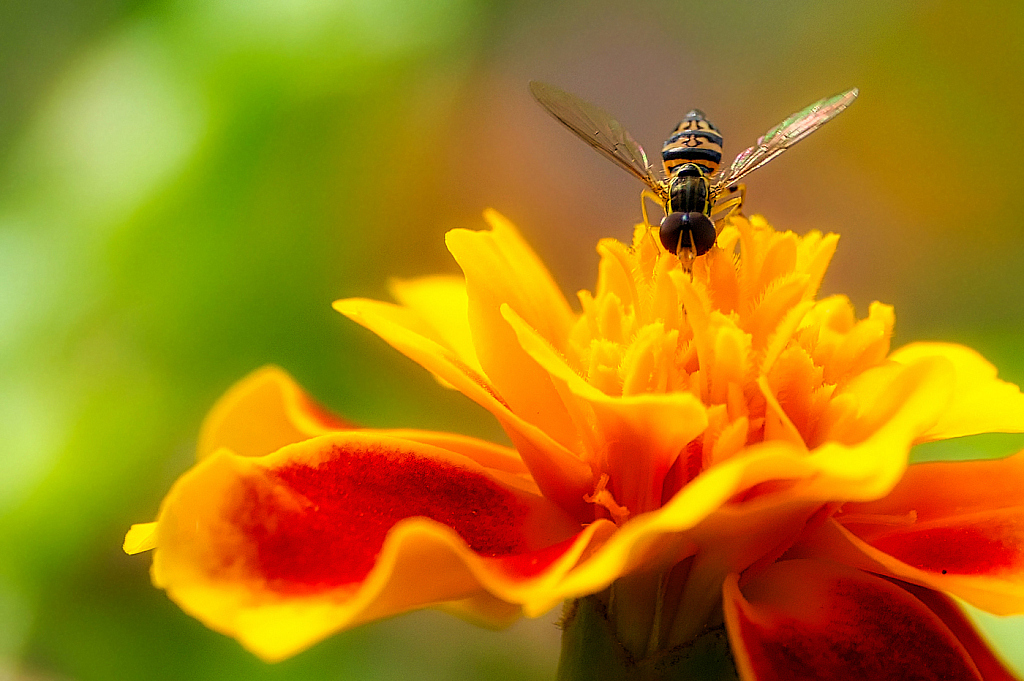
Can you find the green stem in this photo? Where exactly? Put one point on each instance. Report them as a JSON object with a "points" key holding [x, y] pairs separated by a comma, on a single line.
{"points": [[592, 652]]}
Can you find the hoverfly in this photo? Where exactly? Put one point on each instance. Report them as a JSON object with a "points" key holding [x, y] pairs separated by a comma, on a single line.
{"points": [[692, 188]]}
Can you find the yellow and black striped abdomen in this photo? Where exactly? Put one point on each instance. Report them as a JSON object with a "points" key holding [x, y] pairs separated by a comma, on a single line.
{"points": [[695, 140]]}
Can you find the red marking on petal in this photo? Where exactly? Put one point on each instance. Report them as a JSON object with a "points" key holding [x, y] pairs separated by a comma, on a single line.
{"points": [[322, 526], [891, 644], [957, 550], [990, 666], [817, 620]]}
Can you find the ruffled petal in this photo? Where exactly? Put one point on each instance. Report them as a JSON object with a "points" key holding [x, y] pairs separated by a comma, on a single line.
{"points": [[561, 475], [872, 424], [263, 412], [501, 269], [981, 403], [952, 526], [804, 619], [279, 551]]}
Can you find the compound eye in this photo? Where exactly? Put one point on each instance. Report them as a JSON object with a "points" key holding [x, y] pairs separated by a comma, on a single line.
{"points": [[692, 231]]}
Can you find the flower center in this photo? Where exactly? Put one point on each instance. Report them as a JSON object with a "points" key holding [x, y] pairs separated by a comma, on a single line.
{"points": [[740, 330]]}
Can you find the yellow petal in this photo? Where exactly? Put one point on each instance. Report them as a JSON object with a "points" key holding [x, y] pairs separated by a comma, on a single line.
{"points": [[485, 453], [981, 403], [865, 456], [442, 303], [406, 331], [261, 413], [778, 425], [501, 269], [141, 537], [484, 610]]}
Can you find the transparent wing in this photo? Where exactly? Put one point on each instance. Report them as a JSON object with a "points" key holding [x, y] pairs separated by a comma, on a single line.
{"points": [[783, 136], [599, 130]]}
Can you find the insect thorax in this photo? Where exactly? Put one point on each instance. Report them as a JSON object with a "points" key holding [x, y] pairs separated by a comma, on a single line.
{"points": [[695, 140], [689, 191]]}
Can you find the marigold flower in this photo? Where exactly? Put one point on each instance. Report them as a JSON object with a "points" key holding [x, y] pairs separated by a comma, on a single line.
{"points": [[696, 447]]}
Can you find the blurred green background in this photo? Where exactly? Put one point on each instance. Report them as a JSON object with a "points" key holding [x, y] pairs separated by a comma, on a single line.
{"points": [[186, 185]]}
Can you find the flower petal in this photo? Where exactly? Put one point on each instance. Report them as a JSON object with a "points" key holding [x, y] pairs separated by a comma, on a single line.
{"points": [[442, 303], [483, 610], [501, 269], [407, 332], [804, 619], [562, 476], [487, 454], [981, 402], [761, 500], [141, 537], [279, 551], [990, 666], [701, 521], [952, 526], [872, 423], [658, 425], [261, 413]]}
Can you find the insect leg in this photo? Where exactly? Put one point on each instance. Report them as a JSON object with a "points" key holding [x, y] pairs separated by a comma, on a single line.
{"points": [[734, 204], [644, 195]]}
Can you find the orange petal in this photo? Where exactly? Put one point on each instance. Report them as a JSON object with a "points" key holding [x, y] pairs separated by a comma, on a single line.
{"points": [[952, 526], [804, 619], [501, 269], [279, 551], [261, 413], [981, 402]]}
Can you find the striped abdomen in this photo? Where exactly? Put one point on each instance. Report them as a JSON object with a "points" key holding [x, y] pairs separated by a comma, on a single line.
{"points": [[695, 140]]}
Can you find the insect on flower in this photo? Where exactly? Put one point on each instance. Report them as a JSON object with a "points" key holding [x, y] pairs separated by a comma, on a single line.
{"points": [[692, 188]]}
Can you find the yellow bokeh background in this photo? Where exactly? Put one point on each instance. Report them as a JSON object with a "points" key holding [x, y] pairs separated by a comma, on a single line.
{"points": [[186, 185]]}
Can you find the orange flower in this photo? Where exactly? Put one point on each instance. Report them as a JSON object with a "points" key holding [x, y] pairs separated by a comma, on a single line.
{"points": [[693, 447]]}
